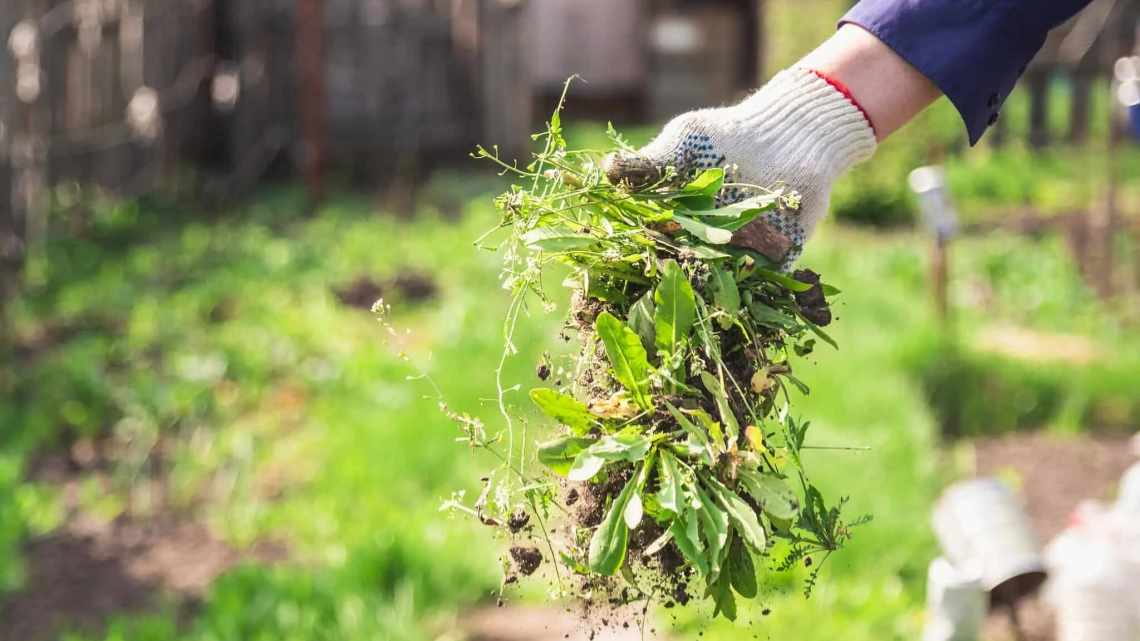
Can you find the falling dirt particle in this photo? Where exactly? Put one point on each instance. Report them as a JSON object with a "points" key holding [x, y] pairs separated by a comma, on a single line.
{"points": [[807, 561], [571, 497], [518, 520], [542, 371], [813, 304], [526, 558], [766, 611]]}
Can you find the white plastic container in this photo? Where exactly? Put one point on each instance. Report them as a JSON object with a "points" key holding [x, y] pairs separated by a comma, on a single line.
{"points": [[955, 603], [1092, 586], [984, 531]]}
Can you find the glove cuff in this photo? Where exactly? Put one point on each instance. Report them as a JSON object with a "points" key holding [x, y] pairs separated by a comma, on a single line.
{"points": [[812, 121]]}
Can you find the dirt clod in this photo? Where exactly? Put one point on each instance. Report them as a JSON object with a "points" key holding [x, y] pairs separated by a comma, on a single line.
{"points": [[518, 521], [812, 303], [526, 558]]}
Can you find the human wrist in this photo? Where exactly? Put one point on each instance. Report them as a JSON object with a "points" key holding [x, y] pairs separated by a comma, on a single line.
{"points": [[889, 88]]}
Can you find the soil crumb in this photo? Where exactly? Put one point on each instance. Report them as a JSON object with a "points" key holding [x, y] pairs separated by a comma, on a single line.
{"points": [[527, 559]]}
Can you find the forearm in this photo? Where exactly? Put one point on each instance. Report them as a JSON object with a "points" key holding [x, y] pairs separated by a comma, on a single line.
{"points": [[888, 88]]}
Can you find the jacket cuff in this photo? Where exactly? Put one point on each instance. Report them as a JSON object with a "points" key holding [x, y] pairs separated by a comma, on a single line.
{"points": [[972, 50]]}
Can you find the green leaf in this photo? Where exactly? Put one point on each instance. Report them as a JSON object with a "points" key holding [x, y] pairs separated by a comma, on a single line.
{"points": [[732, 428], [726, 295], [788, 282], [675, 308], [700, 193], [555, 240], [633, 511], [703, 231], [627, 355], [641, 320], [714, 527], [741, 515], [698, 436], [741, 570], [706, 183], [611, 540], [733, 217], [560, 454], [704, 252], [770, 317], [830, 290], [670, 493], [686, 533], [721, 592], [627, 445], [772, 493], [586, 466], [575, 565], [713, 429], [815, 329], [563, 408]]}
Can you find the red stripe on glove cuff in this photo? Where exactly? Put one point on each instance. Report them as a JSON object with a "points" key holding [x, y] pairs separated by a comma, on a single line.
{"points": [[842, 88]]}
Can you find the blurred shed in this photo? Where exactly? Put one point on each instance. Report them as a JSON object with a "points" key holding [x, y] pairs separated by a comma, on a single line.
{"points": [[643, 58]]}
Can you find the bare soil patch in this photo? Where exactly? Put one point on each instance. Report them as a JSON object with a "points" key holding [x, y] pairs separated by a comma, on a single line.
{"points": [[549, 624], [90, 569], [406, 286], [1055, 472]]}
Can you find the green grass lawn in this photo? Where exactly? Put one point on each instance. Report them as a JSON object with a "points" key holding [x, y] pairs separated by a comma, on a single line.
{"points": [[219, 345]]}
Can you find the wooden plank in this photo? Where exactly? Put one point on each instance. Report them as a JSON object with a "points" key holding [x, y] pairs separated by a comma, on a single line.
{"points": [[311, 103], [505, 100]]}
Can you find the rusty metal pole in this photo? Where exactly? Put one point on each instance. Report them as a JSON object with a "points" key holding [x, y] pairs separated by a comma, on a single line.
{"points": [[311, 95]]}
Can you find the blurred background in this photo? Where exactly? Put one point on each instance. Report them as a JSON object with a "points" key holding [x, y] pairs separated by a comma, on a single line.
{"points": [[205, 435]]}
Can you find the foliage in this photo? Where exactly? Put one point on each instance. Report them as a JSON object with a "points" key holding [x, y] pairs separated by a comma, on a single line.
{"points": [[976, 394], [678, 417]]}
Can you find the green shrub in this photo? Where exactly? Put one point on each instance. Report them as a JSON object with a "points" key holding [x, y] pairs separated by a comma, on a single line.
{"points": [[975, 394]]}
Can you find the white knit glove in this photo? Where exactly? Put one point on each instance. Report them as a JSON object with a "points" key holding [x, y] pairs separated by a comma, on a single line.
{"points": [[797, 130]]}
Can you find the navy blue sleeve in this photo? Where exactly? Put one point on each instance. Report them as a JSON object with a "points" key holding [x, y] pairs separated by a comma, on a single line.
{"points": [[973, 50]]}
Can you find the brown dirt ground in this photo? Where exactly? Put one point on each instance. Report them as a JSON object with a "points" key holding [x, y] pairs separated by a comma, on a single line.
{"points": [[548, 624], [1055, 473], [90, 569]]}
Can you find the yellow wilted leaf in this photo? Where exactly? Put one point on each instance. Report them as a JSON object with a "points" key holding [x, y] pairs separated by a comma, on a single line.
{"points": [[760, 381], [616, 406], [755, 437]]}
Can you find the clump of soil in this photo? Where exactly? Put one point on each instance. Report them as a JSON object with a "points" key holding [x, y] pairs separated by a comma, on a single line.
{"points": [[519, 520], [526, 558], [812, 303]]}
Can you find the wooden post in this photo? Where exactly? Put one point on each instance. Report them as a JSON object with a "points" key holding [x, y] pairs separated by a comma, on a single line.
{"points": [[506, 95], [940, 278], [1082, 76], [311, 98], [1037, 81]]}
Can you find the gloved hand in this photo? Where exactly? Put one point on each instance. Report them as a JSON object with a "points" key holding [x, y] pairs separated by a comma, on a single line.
{"points": [[799, 130]]}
